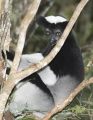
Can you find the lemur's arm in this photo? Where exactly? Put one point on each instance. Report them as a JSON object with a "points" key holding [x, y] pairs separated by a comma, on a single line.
{"points": [[25, 61], [28, 59]]}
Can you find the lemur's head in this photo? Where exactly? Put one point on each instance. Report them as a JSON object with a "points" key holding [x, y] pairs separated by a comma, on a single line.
{"points": [[53, 26]]}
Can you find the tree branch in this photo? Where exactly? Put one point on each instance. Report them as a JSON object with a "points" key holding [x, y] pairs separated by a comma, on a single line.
{"points": [[23, 28], [1, 7], [61, 106]]}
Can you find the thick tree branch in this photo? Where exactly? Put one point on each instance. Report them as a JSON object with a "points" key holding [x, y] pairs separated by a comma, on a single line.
{"points": [[1, 60], [4, 34], [1, 6]]}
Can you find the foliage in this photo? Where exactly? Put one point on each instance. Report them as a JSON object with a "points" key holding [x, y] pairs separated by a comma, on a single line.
{"points": [[27, 118]]}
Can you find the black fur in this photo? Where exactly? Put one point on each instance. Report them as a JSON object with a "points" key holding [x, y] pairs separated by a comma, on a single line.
{"points": [[35, 79], [68, 60], [42, 21]]}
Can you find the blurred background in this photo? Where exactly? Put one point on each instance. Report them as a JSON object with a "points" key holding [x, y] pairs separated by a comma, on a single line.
{"points": [[82, 106]]}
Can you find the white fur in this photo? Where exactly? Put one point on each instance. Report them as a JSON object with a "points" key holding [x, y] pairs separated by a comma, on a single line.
{"points": [[47, 76], [30, 97], [27, 60], [62, 88], [9, 63], [55, 19]]}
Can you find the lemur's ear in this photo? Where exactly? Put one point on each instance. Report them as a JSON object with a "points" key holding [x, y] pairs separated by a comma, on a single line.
{"points": [[42, 21]]}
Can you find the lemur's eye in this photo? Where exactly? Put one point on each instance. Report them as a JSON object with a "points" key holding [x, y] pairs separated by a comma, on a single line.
{"points": [[47, 32], [58, 33]]}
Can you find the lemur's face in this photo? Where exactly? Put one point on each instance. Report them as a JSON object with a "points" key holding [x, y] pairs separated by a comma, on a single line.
{"points": [[53, 27], [53, 34]]}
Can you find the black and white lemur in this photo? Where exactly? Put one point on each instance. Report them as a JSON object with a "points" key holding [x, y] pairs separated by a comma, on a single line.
{"points": [[52, 84]]}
